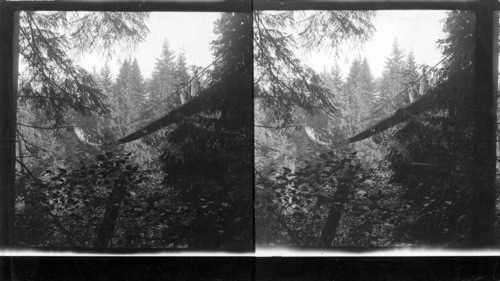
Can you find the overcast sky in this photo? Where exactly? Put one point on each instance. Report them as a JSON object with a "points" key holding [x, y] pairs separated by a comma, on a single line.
{"points": [[188, 31], [193, 31], [415, 30]]}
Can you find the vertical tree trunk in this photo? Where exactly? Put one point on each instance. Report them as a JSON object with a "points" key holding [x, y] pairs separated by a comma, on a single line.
{"points": [[483, 172], [331, 224], [20, 153], [195, 84], [111, 214], [182, 96], [334, 214], [498, 141], [9, 24]]}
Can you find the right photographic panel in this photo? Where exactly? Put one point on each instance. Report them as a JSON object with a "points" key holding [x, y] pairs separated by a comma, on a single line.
{"points": [[375, 129]]}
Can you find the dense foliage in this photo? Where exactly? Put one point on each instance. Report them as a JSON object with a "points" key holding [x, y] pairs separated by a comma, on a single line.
{"points": [[212, 164], [65, 208], [301, 201], [185, 186], [412, 184], [433, 159]]}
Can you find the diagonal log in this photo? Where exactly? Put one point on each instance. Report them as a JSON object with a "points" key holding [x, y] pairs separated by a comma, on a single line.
{"points": [[426, 102], [174, 116]]}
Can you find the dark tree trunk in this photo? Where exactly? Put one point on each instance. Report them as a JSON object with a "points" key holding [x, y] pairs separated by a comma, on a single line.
{"points": [[334, 214], [111, 214], [9, 25], [20, 153], [331, 225], [483, 174]]}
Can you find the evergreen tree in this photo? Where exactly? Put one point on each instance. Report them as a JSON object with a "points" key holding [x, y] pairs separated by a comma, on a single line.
{"points": [[121, 107], [106, 84], [285, 83], [181, 77], [136, 84], [121, 83], [359, 91], [353, 93], [57, 93], [410, 75], [289, 93], [446, 204], [333, 80], [129, 95], [392, 81], [366, 82], [106, 80], [209, 162], [66, 85], [337, 80], [160, 96], [162, 82]]}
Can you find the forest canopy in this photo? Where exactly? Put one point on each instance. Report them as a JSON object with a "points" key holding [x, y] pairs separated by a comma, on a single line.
{"points": [[409, 183], [184, 185]]}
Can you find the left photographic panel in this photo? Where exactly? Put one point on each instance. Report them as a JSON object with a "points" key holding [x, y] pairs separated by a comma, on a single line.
{"points": [[133, 132]]}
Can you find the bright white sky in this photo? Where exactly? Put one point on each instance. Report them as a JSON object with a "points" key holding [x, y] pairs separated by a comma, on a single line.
{"points": [[188, 31], [193, 33], [415, 30]]}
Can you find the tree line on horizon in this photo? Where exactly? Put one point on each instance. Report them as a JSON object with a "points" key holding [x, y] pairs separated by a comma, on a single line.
{"points": [[409, 185], [180, 187]]}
